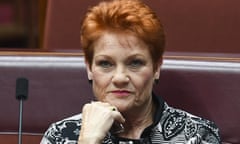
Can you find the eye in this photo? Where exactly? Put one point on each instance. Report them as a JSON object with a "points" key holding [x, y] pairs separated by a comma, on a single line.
{"points": [[104, 64], [136, 63]]}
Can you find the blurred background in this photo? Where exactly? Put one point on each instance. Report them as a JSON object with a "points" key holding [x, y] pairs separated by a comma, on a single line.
{"points": [[21, 23], [200, 26]]}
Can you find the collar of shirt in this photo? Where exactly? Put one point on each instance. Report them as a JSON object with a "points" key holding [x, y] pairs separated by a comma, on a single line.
{"points": [[145, 137]]}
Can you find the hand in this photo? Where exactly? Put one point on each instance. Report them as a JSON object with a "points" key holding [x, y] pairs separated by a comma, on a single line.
{"points": [[97, 119]]}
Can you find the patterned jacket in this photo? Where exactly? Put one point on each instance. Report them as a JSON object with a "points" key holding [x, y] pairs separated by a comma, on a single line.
{"points": [[171, 126]]}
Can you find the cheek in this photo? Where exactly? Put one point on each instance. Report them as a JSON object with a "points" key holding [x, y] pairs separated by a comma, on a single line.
{"points": [[144, 83], [100, 84]]}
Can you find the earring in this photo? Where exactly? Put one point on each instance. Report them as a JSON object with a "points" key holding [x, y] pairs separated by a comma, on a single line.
{"points": [[156, 81], [90, 81]]}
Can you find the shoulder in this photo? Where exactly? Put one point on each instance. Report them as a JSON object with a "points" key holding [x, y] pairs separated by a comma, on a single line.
{"points": [[193, 128], [63, 131]]}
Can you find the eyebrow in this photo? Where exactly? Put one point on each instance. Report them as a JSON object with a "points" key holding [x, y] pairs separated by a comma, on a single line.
{"points": [[130, 56]]}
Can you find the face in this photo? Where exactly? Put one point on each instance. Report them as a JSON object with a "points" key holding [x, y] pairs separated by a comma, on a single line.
{"points": [[122, 71]]}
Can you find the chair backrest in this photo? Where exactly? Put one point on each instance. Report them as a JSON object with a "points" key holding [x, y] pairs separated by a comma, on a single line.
{"points": [[57, 88], [206, 86], [62, 25], [190, 26]]}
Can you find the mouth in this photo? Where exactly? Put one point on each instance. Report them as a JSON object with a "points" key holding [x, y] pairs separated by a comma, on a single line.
{"points": [[121, 93]]}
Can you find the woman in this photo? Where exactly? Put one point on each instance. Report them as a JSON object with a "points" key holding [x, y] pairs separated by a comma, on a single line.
{"points": [[123, 43]]}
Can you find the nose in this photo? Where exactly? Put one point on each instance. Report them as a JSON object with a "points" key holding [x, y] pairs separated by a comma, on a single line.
{"points": [[120, 77]]}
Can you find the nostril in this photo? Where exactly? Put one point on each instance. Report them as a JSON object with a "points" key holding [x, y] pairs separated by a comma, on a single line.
{"points": [[120, 79]]}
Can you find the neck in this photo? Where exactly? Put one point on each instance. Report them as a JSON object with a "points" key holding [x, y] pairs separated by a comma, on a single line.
{"points": [[138, 120]]}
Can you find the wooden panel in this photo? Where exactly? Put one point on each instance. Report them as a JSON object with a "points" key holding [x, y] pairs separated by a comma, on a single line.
{"points": [[190, 26], [26, 138]]}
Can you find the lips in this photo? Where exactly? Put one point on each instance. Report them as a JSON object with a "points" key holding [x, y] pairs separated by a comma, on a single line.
{"points": [[121, 93]]}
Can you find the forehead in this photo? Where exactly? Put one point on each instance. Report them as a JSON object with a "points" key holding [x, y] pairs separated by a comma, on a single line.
{"points": [[119, 41]]}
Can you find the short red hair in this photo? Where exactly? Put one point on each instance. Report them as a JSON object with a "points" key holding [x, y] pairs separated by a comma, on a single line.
{"points": [[123, 16]]}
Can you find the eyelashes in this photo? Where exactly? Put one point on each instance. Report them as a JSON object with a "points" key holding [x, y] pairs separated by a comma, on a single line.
{"points": [[136, 63], [105, 63], [131, 64]]}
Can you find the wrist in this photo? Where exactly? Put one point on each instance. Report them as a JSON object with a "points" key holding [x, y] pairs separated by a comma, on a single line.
{"points": [[89, 140]]}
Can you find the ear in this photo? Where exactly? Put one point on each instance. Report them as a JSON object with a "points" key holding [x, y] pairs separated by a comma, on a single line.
{"points": [[158, 68], [89, 70]]}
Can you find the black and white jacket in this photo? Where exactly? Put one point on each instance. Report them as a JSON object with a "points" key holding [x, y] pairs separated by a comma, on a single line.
{"points": [[171, 126]]}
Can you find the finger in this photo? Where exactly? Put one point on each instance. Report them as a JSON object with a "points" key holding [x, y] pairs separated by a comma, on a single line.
{"points": [[118, 116], [97, 105], [101, 103]]}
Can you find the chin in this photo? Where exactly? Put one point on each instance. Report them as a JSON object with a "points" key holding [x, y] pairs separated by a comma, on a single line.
{"points": [[122, 108]]}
